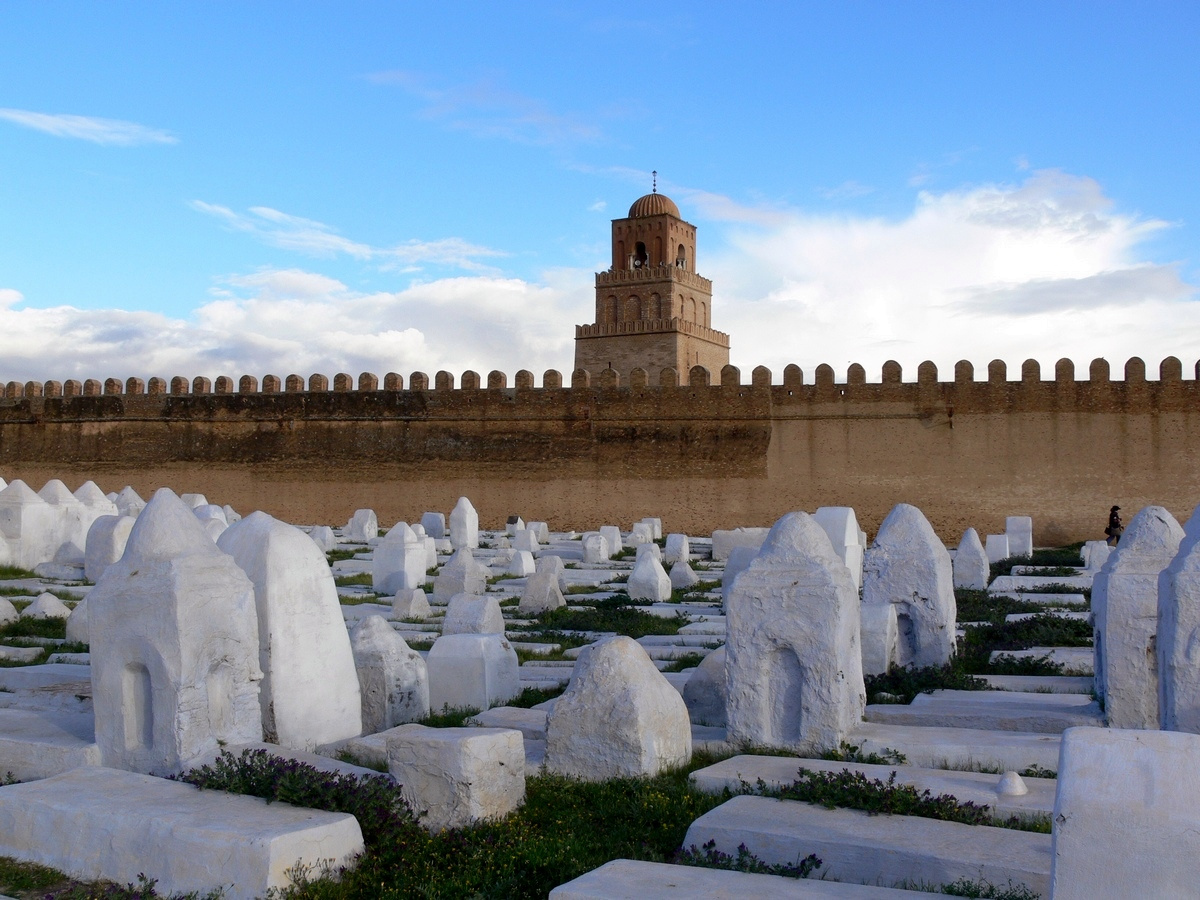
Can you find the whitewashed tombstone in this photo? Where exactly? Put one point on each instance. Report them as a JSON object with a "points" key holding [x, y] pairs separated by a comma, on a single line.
{"points": [[648, 550], [8, 612], [909, 567], [649, 581], [310, 688], [1178, 641], [793, 662], [77, 623], [105, 543], [525, 539], [1125, 618], [522, 564], [655, 527], [434, 524], [723, 541], [214, 527], [540, 530], [1095, 555], [231, 515], [472, 671], [324, 538], [193, 500], [362, 527], [473, 614], [683, 576], [641, 533], [412, 604], [70, 530], [1126, 815], [595, 548], [513, 525], [174, 641], [971, 567], [555, 565], [456, 777], [392, 677], [996, 547], [619, 716], [399, 561], [210, 511], [612, 534], [678, 547], [738, 561], [840, 525], [704, 693], [129, 502], [1020, 535], [541, 595], [46, 606], [464, 525], [29, 526], [879, 621], [95, 504], [460, 575]]}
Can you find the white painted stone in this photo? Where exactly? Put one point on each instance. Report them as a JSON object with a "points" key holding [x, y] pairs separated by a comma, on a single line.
{"points": [[678, 547], [682, 576], [908, 567], [46, 606], [1020, 535], [215, 528], [93, 505], [736, 563], [191, 501], [1125, 618], [513, 525], [476, 671], [595, 548], [8, 612], [841, 526], [77, 623], [431, 553], [522, 564], [541, 595], [20, 654], [324, 538], [399, 561], [28, 526], [1178, 640], [309, 693], [971, 567], [434, 524], [1127, 814], [473, 614], [362, 527], [648, 550], [94, 823], [393, 678], [704, 693], [540, 530], [71, 522], [641, 533], [879, 621], [555, 565], [996, 547], [648, 581], [1011, 785], [723, 541], [455, 777], [105, 543], [794, 665], [174, 640], [618, 717], [655, 524], [526, 539], [41, 743], [129, 502], [1095, 555], [410, 605], [231, 515], [210, 511], [461, 575], [464, 525], [612, 534]]}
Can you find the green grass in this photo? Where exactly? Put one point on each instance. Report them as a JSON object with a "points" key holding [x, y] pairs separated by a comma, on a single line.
{"points": [[907, 683], [449, 717], [853, 753], [6, 591], [531, 697], [612, 615], [362, 578], [687, 661], [359, 599], [1057, 557], [340, 554], [46, 628], [12, 573]]}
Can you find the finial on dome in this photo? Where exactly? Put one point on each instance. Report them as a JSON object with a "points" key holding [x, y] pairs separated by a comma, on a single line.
{"points": [[654, 183]]}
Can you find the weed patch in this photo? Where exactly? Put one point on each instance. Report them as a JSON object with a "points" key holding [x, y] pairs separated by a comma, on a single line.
{"points": [[44, 628], [614, 614], [687, 661], [709, 857], [362, 578], [12, 573], [907, 683]]}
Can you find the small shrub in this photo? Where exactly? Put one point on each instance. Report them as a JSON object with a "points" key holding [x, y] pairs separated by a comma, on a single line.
{"points": [[853, 790], [907, 683], [966, 887], [614, 614], [847, 752], [532, 696], [709, 857], [449, 717], [1007, 664]]}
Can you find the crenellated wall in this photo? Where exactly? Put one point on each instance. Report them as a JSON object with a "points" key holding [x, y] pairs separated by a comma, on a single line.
{"points": [[703, 451]]}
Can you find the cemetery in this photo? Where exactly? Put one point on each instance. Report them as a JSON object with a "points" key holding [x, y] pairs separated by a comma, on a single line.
{"points": [[454, 706]]}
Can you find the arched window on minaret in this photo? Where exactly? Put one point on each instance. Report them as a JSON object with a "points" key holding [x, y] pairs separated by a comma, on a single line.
{"points": [[640, 257], [681, 257], [703, 320], [693, 308]]}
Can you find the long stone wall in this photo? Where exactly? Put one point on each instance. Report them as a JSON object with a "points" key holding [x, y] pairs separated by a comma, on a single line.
{"points": [[702, 455]]}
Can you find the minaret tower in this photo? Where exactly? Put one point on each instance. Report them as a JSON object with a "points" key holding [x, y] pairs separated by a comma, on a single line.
{"points": [[652, 310]]}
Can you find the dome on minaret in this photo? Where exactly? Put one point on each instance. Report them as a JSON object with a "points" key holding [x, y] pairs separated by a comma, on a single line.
{"points": [[655, 204]]}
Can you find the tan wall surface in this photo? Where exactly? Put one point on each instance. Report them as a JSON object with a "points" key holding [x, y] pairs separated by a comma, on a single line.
{"points": [[967, 453]]}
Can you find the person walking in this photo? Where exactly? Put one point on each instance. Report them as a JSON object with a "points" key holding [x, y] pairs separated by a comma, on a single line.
{"points": [[1115, 527]]}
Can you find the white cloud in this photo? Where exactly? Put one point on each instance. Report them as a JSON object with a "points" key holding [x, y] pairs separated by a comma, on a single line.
{"points": [[89, 128], [9, 297], [1042, 269], [288, 232]]}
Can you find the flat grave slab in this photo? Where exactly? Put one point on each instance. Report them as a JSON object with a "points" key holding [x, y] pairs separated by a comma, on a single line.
{"points": [[27, 678], [960, 748], [882, 849], [1056, 684], [1045, 598], [976, 787], [627, 879], [992, 710], [39, 744], [1075, 660], [96, 823], [1034, 582]]}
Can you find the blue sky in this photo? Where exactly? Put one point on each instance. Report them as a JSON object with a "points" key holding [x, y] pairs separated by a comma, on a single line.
{"points": [[268, 187]]}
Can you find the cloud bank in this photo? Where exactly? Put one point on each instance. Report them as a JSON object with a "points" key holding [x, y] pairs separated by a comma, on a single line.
{"points": [[1042, 269], [89, 128]]}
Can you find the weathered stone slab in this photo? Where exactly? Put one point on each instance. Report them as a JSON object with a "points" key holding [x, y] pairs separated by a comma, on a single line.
{"points": [[1075, 660], [169, 831], [971, 567], [960, 748], [37, 744], [992, 711], [1055, 684]]}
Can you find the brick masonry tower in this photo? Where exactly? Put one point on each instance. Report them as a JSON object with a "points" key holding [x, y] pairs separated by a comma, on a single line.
{"points": [[652, 310]]}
